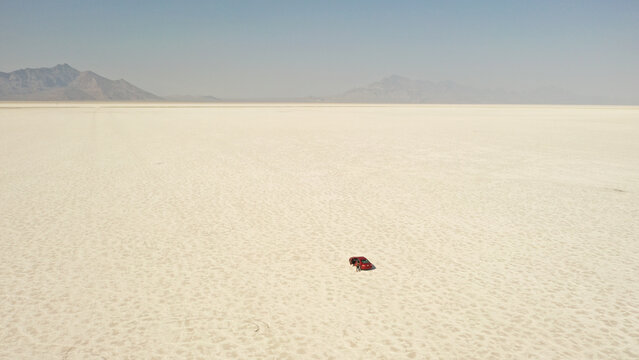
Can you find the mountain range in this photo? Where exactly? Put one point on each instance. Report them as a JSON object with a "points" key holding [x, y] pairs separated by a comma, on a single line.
{"points": [[64, 83], [398, 89]]}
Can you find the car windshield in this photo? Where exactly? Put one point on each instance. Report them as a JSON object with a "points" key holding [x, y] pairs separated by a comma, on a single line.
{"points": [[365, 261]]}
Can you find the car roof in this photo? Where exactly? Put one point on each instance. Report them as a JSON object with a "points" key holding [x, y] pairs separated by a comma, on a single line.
{"points": [[360, 258]]}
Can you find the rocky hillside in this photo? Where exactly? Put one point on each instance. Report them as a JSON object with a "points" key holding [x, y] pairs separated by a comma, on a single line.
{"points": [[64, 83]]}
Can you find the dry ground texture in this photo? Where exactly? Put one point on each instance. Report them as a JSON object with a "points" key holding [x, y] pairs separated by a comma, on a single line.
{"points": [[224, 231]]}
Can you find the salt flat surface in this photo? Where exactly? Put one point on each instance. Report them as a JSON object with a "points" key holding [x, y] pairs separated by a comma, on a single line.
{"points": [[139, 231]]}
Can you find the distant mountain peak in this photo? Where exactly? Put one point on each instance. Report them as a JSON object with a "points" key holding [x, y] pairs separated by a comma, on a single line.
{"points": [[394, 80], [400, 89], [64, 83], [63, 66]]}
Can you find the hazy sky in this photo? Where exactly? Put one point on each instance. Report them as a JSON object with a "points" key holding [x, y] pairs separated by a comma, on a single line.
{"points": [[299, 48]]}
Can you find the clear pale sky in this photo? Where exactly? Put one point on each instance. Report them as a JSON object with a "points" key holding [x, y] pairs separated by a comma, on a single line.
{"points": [[235, 49]]}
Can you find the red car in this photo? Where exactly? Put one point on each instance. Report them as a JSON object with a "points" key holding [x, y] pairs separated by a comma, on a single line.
{"points": [[360, 262]]}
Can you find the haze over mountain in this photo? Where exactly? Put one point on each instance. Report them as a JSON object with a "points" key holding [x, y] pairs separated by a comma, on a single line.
{"points": [[398, 89], [64, 83], [291, 49]]}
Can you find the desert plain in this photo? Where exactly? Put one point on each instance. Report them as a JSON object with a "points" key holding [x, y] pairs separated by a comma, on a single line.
{"points": [[215, 231]]}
